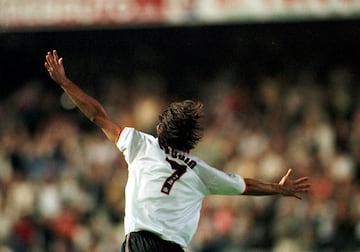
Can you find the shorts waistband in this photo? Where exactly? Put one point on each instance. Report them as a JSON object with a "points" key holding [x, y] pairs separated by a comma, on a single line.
{"points": [[151, 235]]}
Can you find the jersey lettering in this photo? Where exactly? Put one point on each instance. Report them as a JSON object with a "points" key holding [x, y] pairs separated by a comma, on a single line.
{"points": [[169, 182], [175, 154]]}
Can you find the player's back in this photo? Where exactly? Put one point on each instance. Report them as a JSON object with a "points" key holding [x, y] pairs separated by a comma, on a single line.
{"points": [[163, 192]]}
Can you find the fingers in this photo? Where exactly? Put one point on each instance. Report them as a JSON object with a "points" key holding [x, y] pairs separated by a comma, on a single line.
{"points": [[296, 186], [56, 57], [52, 58], [297, 196], [302, 184], [302, 179], [49, 58], [288, 173], [52, 61], [285, 178], [48, 62], [303, 189]]}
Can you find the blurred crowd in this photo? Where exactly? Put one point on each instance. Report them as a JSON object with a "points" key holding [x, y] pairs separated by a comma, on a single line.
{"points": [[62, 182]]}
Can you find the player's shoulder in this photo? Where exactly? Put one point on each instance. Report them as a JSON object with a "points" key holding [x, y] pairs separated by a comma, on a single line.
{"points": [[132, 136], [131, 131]]}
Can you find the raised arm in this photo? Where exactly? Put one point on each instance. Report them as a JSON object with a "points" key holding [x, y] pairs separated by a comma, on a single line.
{"points": [[90, 107], [285, 187]]}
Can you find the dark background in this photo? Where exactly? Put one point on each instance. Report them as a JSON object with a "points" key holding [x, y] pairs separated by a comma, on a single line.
{"points": [[179, 52]]}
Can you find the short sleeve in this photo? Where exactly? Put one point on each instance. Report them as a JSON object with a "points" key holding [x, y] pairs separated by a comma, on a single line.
{"points": [[128, 143], [219, 182]]}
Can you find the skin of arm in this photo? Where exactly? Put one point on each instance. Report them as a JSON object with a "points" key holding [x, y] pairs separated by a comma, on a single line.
{"points": [[89, 106], [285, 187]]}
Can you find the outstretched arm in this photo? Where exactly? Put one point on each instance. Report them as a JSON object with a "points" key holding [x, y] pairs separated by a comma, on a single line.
{"points": [[285, 187], [91, 108]]}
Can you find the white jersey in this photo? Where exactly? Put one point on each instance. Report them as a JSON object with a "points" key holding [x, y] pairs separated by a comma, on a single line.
{"points": [[166, 187]]}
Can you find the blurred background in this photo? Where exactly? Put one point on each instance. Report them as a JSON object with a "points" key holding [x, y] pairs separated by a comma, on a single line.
{"points": [[280, 82]]}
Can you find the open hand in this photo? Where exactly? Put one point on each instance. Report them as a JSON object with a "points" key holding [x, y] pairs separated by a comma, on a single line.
{"points": [[294, 187], [55, 67]]}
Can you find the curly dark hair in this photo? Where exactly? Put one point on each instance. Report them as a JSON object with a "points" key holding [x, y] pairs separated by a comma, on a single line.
{"points": [[180, 126]]}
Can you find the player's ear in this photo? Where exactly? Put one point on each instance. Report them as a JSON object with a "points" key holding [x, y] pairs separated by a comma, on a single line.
{"points": [[158, 128]]}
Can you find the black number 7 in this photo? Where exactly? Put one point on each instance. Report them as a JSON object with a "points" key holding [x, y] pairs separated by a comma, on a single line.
{"points": [[169, 182]]}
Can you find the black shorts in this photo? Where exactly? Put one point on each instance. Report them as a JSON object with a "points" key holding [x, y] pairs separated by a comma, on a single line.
{"points": [[144, 241]]}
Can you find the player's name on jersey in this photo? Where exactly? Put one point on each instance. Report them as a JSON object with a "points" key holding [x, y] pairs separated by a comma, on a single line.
{"points": [[179, 155]]}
